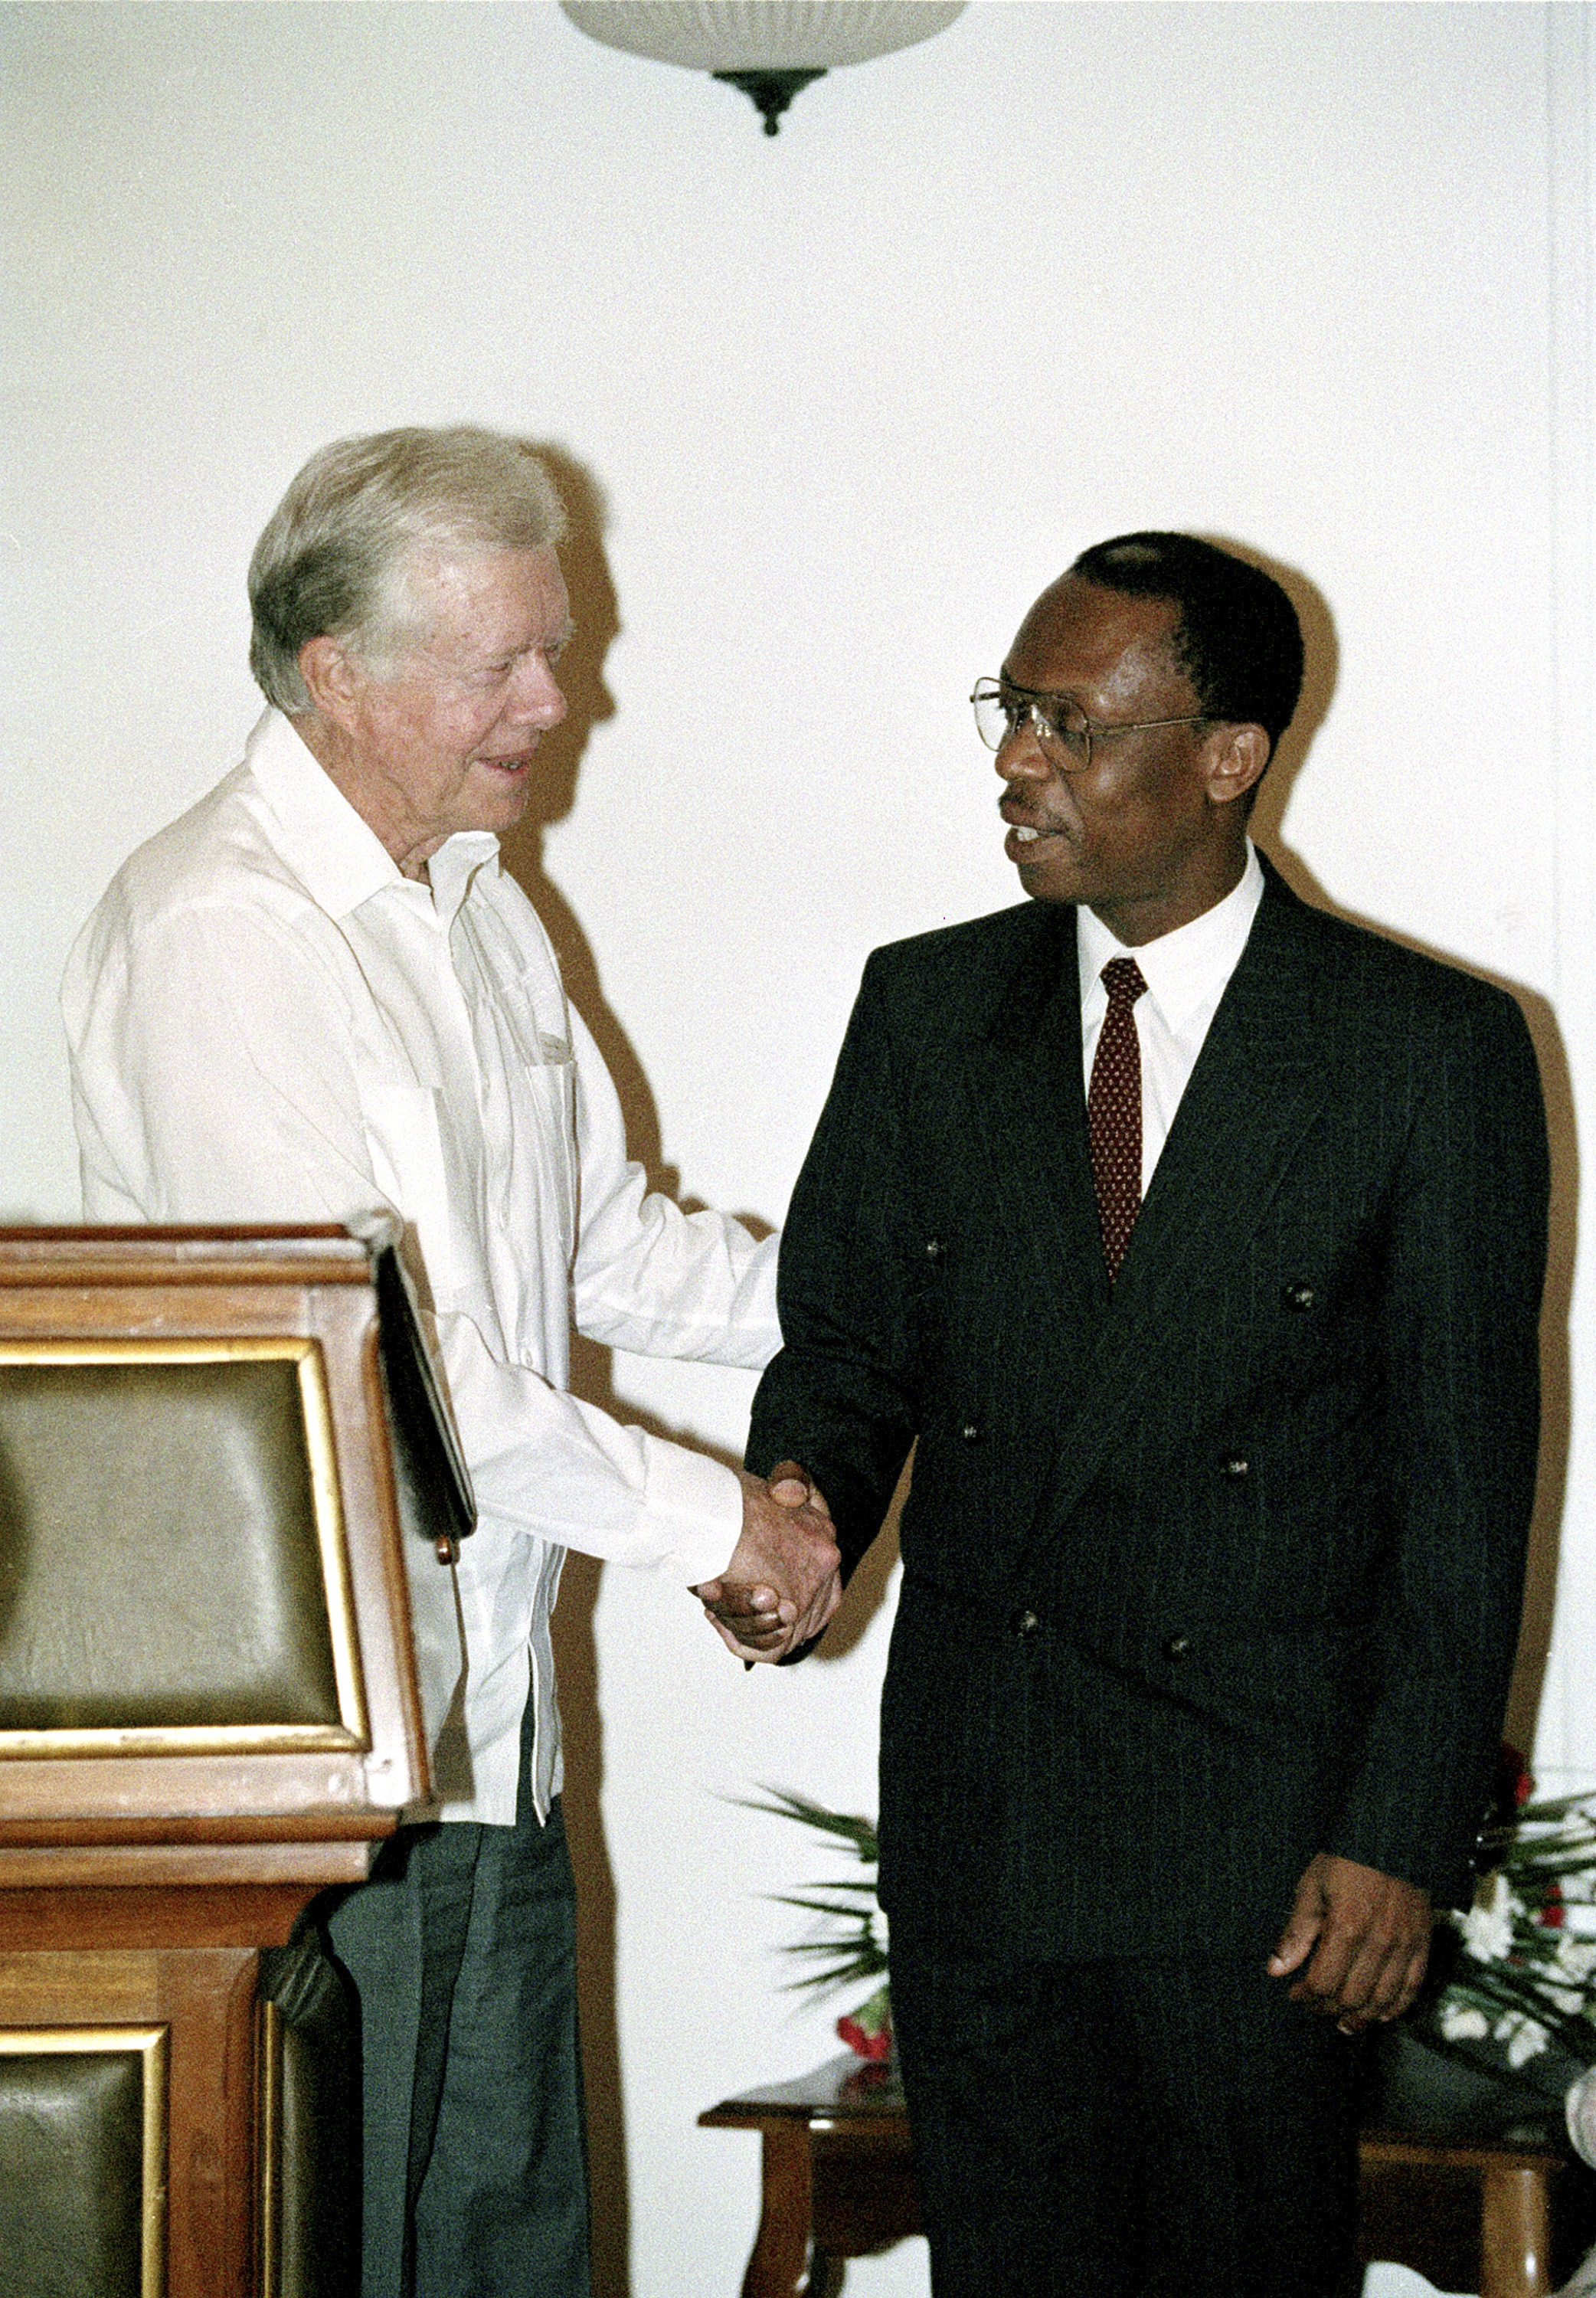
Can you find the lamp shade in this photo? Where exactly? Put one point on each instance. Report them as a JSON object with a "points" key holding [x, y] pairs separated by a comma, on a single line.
{"points": [[755, 35]]}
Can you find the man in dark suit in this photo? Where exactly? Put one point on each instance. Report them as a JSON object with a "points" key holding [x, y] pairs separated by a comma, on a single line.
{"points": [[1213, 1549]]}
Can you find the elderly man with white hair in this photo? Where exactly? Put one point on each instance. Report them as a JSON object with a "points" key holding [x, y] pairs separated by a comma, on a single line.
{"points": [[316, 994]]}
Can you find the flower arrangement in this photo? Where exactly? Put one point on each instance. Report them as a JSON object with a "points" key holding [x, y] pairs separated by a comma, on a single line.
{"points": [[1514, 1988], [853, 1944]]}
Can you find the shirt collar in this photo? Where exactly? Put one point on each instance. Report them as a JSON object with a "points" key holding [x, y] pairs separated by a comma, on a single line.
{"points": [[336, 854], [454, 865], [1184, 969]]}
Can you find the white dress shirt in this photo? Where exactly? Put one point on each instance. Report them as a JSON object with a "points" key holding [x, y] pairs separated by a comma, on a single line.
{"points": [[266, 1022], [1185, 972]]}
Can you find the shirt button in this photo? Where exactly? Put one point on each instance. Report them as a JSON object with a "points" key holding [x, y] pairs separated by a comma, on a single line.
{"points": [[1235, 1466], [971, 1432], [1026, 1623], [1299, 1296], [1177, 1647], [935, 1250]]}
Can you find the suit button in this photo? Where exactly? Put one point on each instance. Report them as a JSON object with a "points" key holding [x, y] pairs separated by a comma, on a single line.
{"points": [[1235, 1466], [972, 1432], [935, 1250], [1026, 1623], [1177, 1647], [1299, 1296]]}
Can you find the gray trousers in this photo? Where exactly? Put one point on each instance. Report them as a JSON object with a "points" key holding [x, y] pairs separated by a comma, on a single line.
{"points": [[462, 1949]]}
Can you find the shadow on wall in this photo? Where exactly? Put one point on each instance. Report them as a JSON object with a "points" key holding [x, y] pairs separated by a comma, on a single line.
{"points": [[1318, 632], [593, 609], [559, 758]]}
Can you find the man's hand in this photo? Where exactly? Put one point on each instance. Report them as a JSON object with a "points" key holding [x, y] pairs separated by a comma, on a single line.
{"points": [[785, 1575], [1368, 1936], [792, 1486]]}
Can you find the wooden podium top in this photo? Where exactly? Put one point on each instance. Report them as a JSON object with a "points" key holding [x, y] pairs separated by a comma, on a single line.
{"points": [[206, 1668], [315, 1254]]}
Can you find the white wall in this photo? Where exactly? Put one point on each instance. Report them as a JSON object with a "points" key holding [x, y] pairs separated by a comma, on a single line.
{"points": [[1316, 279]]}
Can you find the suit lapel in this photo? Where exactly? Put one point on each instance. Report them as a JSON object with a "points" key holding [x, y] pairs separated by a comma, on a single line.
{"points": [[1258, 1082], [1029, 1118], [1257, 1085]]}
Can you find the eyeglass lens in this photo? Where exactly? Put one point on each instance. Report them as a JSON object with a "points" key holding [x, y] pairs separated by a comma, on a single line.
{"points": [[1056, 722]]}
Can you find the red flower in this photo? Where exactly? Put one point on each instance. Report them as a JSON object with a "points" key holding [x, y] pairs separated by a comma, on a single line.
{"points": [[1513, 1784], [867, 2030], [867, 2046], [1551, 1915]]}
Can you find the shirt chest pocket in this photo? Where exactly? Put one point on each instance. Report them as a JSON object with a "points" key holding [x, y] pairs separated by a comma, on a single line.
{"points": [[526, 1082], [547, 1144]]}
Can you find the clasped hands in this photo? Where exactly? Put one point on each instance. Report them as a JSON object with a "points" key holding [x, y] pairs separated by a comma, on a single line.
{"points": [[785, 1576]]}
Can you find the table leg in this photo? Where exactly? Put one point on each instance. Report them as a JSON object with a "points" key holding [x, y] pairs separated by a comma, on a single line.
{"points": [[780, 2264], [1515, 2231]]}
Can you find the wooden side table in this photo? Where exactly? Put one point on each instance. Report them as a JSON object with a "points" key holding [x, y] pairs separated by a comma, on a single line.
{"points": [[1469, 2216], [839, 2182], [838, 2177]]}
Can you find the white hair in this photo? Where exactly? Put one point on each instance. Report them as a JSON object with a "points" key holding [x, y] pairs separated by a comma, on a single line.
{"points": [[337, 553]]}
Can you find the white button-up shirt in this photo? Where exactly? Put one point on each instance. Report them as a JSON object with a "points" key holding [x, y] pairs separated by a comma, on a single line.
{"points": [[266, 1022], [1186, 973]]}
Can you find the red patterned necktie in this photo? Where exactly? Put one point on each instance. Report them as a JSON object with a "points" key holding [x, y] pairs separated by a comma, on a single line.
{"points": [[1115, 1111]]}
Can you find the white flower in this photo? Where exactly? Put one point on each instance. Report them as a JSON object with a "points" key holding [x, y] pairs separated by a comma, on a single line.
{"points": [[1581, 2110], [1460, 2022], [1577, 1956], [1529, 2041], [1488, 1926]]}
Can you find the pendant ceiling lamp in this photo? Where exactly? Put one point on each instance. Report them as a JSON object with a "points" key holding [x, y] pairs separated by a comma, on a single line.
{"points": [[768, 48]]}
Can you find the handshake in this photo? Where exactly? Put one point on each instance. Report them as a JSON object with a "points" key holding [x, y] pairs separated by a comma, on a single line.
{"points": [[785, 1575]]}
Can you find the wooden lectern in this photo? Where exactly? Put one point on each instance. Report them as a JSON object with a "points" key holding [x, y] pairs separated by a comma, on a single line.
{"points": [[209, 1714]]}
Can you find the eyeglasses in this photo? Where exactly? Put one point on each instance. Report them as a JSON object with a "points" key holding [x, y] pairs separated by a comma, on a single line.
{"points": [[1062, 728]]}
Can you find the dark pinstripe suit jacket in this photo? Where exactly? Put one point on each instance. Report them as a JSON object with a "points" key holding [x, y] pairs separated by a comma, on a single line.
{"points": [[1224, 1569]]}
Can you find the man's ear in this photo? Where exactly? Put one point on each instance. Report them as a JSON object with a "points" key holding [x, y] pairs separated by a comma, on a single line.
{"points": [[333, 679], [1235, 760]]}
